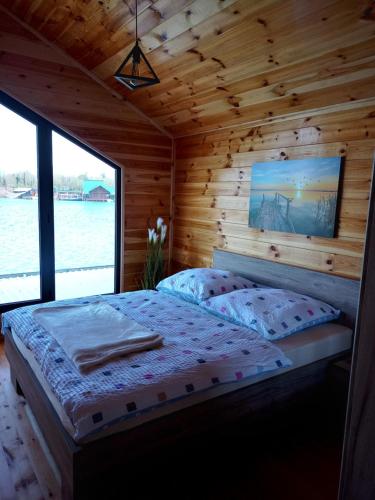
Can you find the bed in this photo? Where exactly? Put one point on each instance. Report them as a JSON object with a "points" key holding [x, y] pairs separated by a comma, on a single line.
{"points": [[119, 439]]}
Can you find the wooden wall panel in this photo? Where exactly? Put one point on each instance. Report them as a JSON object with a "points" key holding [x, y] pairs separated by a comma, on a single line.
{"points": [[220, 62], [213, 185], [50, 84]]}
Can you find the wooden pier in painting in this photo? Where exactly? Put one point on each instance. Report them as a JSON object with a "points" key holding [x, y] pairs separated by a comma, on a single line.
{"points": [[274, 214]]}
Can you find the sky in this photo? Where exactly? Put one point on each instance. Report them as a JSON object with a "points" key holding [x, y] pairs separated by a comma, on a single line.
{"points": [[18, 150], [306, 174]]}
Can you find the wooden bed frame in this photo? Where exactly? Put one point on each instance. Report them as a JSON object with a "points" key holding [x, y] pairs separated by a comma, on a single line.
{"points": [[79, 466]]}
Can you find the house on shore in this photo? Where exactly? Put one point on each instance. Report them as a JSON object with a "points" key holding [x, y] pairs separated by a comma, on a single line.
{"points": [[23, 193], [68, 195], [97, 190]]}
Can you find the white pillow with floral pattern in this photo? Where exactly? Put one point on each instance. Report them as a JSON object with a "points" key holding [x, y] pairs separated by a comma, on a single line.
{"points": [[197, 284], [272, 312]]}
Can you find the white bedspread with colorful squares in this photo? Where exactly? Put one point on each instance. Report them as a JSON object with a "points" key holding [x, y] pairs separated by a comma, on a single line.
{"points": [[200, 351]]}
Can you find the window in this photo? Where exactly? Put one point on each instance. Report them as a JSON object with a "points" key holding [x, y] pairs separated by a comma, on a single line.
{"points": [[59, 213], [19, 214]]}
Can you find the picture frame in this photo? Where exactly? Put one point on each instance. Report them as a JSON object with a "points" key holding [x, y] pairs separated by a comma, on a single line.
{"points": [[296, 196]]}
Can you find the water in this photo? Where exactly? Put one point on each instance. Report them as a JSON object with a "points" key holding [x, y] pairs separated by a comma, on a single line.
{"points": [[84, 235], [311, 212]]}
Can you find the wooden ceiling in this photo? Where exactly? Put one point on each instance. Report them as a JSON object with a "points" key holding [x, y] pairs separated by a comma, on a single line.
{"points": [[220, 62]]}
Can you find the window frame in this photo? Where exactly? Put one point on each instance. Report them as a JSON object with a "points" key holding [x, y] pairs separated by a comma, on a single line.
{"points": [[44, 129]]}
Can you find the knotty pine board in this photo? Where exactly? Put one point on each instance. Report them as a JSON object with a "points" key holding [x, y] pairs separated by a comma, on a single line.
{"points": [[213, 185], [220, 63]]}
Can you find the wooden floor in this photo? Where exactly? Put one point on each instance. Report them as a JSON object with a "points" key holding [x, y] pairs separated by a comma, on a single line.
{"points": [[24, 470], [302, 466]]}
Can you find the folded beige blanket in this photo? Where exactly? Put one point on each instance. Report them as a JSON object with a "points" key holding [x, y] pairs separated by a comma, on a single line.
{"points": [[94, 333]]}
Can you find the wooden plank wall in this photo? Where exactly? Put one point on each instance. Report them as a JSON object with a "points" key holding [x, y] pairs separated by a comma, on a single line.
{"points": [[50, 84], [213, 183], [220, 61]]}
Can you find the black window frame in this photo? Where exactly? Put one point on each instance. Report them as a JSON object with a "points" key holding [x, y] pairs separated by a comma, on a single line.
{"points": [[44, 129]]}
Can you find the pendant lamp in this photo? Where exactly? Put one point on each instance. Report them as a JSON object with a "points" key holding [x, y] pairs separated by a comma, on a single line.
{"points": [[136, 72]]}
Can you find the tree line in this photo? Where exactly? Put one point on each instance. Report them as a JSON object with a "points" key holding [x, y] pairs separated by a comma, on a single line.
{"points": [[18, 179], [27, 179]]}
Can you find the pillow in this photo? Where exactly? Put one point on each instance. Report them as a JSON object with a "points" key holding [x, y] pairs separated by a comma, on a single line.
{"points": [[195, 285], [274, 313]]}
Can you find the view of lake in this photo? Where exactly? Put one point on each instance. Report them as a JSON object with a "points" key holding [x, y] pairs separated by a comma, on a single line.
{"points": [[84, 216], [84, 235]]}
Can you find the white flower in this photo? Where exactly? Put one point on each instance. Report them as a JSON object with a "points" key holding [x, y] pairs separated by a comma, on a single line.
{"points": [[155, 237], [151, 233], [159, 223], [163, 232]]}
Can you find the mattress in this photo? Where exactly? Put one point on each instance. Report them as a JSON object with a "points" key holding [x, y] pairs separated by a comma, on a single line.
{"points": [[199, 351], [302, 349]]}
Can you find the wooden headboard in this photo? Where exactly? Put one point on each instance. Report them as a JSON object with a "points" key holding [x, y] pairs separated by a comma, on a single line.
{"points": [[342, 293]]}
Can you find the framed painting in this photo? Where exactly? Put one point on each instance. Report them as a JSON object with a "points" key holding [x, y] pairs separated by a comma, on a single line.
{"points": [[296, 196]]}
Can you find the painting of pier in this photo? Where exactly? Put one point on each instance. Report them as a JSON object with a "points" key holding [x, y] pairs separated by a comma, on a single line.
{"points": [[295, 196]]}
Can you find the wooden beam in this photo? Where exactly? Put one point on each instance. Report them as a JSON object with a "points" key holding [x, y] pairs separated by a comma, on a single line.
{"points": [[363, 103], [172, 205], [358, 464]]}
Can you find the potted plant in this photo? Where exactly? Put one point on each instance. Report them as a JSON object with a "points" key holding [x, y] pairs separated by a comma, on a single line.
{"points": [[154, 266]]}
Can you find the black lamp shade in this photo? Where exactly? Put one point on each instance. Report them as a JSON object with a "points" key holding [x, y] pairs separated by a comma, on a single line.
{"points": [[136, 72]]}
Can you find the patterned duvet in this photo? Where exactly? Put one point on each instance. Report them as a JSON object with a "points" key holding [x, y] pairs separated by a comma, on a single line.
{"points": [[200, 351]]}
